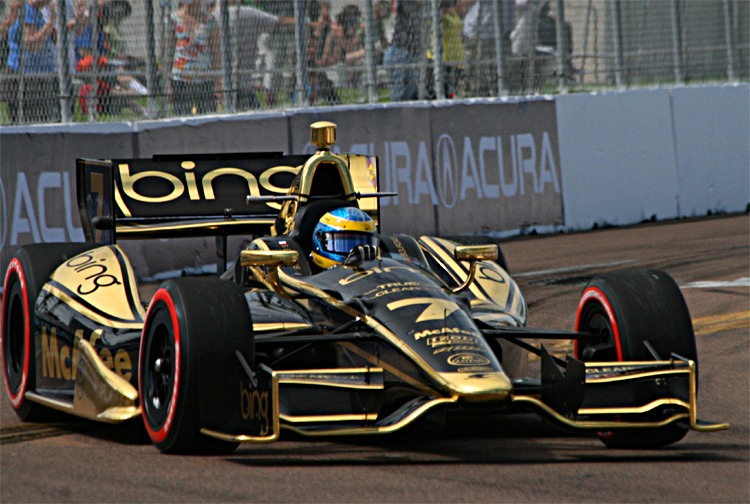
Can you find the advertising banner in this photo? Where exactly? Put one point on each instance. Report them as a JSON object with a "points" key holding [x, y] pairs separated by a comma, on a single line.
{"points": [[458, 168], [38, 186]]}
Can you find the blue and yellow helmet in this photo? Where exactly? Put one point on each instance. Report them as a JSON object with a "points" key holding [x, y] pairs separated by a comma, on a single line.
{"points": [[338, 232]]}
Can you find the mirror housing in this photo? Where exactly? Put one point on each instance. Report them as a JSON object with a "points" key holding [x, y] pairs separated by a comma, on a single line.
{"points": [[476, 252], [473, 253], [270, 258]]}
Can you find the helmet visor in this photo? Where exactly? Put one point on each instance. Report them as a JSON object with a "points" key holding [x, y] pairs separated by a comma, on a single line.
{"points": [[343, 242]]}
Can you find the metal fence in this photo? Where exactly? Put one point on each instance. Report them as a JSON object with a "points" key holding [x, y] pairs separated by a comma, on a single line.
{"points": [[137, 59]]}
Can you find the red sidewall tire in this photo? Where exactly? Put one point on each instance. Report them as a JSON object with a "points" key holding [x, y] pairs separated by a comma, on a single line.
{"points": [[162, 300], [14, 276], [594, 294]]}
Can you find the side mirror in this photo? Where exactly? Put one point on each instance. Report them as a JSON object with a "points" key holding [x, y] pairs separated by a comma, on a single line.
{"points": [[476, 252], [473, 253], [270, 258]]}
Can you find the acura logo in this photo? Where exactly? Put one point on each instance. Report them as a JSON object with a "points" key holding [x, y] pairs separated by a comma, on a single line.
{"points": [[447, 171]]}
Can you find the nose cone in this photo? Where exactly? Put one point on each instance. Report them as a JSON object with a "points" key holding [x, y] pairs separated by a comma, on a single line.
{"points": [[478, 387]]}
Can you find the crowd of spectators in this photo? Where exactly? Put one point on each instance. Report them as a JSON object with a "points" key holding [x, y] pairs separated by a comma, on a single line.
{"points": [[107, 78]]}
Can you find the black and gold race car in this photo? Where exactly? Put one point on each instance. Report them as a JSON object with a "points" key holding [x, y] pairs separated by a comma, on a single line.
{"points": [[271, 343]]}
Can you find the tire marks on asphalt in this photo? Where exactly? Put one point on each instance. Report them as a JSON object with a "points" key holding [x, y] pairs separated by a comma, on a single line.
{"points": [[31, 431]]}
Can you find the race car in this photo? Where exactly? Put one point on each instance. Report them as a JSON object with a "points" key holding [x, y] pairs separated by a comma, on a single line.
{"points": [[278, 340]]}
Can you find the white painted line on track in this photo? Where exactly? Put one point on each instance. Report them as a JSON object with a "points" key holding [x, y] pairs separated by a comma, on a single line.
{"points": [[572, 268], [740, 282]]}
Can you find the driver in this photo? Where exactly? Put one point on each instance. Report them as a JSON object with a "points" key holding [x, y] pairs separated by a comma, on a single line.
{"points": [[346, 235]]}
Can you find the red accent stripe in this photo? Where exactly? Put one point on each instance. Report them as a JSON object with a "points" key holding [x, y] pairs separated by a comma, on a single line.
{"points": [[161, 434], [17, 399], [593, 292]]}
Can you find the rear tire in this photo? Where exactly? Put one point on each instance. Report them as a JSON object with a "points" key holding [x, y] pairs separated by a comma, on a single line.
{"points": [[188, 317], [29, 269], [624, 307]]}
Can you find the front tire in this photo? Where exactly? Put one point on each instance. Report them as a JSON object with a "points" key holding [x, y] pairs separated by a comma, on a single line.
{"points": [[188, 317], [29, 269], [626, 308]]}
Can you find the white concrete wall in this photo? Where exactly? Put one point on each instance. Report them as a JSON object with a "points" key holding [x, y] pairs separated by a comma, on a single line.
{"points": [[628, 156]]}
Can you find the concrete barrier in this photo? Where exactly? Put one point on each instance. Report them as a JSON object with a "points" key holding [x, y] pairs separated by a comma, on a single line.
{"points": [[495, 166]]}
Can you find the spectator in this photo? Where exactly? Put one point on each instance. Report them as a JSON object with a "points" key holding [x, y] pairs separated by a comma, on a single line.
{"points": [[479, 35], [247, 24], [115, 88], [38, 65], [321, 87], [280, 50], [112, 92], [381, 13], [405, 49], [344, 39], [453, 48], [8, 86], [194, 44]]}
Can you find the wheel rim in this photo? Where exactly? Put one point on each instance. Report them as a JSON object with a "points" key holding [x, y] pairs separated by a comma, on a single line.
{"points": [[594, 320], [159, 373]]}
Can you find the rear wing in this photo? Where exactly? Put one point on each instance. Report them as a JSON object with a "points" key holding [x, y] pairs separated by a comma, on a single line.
{"points": [[195, 194]]}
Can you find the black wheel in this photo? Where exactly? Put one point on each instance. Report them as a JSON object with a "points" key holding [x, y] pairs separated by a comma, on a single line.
{"points": [[626, 308], [187, 317], [28, 270], [481, 240]]}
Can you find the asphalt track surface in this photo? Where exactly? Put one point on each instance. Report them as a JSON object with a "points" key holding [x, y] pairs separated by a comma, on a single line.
{"points": [[492, 459]]}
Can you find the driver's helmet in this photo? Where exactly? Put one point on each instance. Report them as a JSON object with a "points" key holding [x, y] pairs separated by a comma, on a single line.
{"points": [[338, 232]]}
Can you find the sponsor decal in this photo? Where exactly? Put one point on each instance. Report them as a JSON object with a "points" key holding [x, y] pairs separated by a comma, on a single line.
{"points": [[458, 348], [467, 359], [437, 308], [254, 406], [60, 361], [475, 370], [97, 273], [365, 273], [463, 336], [396, 287]]}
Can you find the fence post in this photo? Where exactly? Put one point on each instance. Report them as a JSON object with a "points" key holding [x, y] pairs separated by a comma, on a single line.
{"points": [[617, 40], [300, 44], [151, 59], [370, 71], [730, 38], [63, 66], [679, 65], [437, 51], [500, 46], [228, 92], [563, 51]]}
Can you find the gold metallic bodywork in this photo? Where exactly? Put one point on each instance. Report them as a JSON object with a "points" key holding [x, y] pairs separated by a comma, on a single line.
{"points": [[323, 134], [362, 417], [275, 420], [100, 393], [473, 253], [479, 387], [476, 252], [350, 378], [271, 258], [491, 286], [96, 281], [691, 413], [260, 327], [453, 384]]}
